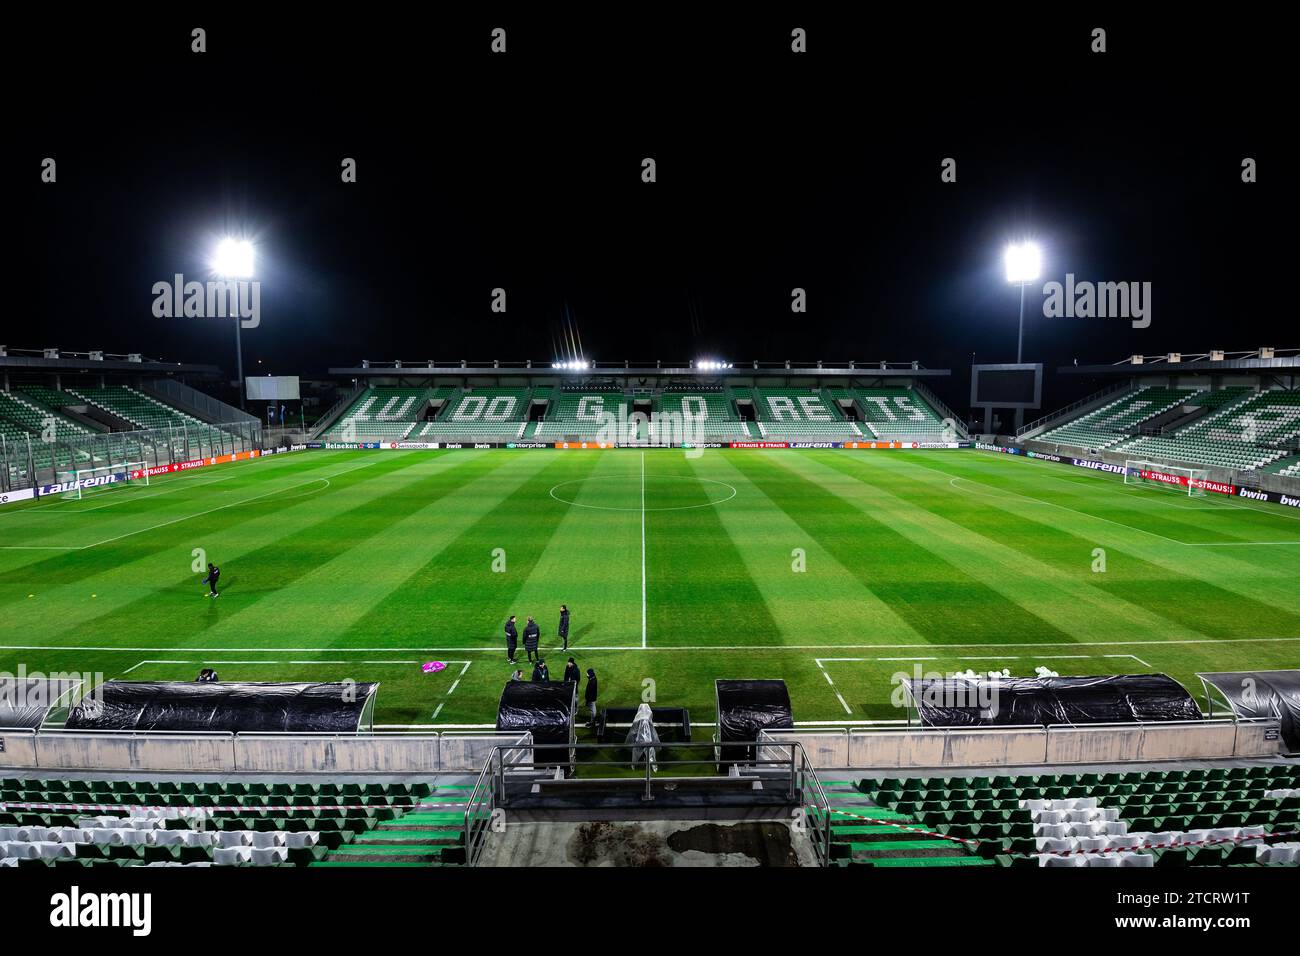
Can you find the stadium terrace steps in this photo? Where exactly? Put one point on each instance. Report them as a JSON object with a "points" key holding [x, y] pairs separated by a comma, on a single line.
{"points": [[135, 407], [1237, 436], [1115, 421], [22, 410], [1113, 819], [855, 841], [192, 824]]}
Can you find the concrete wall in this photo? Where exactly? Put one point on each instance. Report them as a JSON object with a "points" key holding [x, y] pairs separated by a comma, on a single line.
{"points": [[250, 753], [335, 754], [895, 749], [19, 748], [887, 749], [69, 750]]}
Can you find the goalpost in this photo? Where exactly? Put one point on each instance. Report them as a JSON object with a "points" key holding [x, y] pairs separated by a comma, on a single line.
{"points": [[1166, 476], [80, 480]]}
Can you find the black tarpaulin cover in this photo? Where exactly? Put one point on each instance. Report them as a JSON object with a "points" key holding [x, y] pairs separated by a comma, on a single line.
{"points": [[1263, 694], [24, 701], [543, 708], [233, 707], [991, 702], [746, 707]]}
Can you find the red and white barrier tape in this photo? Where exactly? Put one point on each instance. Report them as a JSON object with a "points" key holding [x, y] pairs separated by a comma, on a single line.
{"points": [[1080, 852], [132, 808]]}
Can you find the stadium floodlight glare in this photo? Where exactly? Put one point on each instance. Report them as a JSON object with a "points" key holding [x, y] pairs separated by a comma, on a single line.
{"points": [[1024, 262], [711, 365], [233, 259]]}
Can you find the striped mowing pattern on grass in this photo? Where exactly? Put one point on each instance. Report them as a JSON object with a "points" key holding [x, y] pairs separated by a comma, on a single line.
{"points": [[342, 560]]}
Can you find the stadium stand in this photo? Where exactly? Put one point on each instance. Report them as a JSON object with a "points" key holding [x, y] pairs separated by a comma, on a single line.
{"points": [[897, 413], [1118, 420], [1237, 436], [578, 413], [1288, 467], [799, 413], [148, 823], [711, 412], [132, 406], [25, 423], [1197, 817], [392, 414], [497, 414]]}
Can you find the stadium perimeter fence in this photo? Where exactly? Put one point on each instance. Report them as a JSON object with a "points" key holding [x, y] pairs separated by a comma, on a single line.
{"points": [[30, 462]]}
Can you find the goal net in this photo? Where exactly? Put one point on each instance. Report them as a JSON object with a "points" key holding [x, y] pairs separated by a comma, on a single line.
{"points": [[1189, 480], [81, 481]]}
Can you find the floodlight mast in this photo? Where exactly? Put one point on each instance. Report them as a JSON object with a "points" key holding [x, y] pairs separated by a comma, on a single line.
{"points": [[234, 260], [1024, 264]]}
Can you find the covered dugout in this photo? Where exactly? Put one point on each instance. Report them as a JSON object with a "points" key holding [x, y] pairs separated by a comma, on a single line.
{"points": [[544, 709], [1259, 694], [237, 707], [25, 702], [747, 707], [1026, 701]]}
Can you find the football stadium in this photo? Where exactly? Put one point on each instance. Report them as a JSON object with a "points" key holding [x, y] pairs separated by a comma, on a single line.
{"points": [[718, 533]]}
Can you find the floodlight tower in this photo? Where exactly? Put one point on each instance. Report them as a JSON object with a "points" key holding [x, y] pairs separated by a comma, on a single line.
{"points": [[234, 260], [1024, 262]]}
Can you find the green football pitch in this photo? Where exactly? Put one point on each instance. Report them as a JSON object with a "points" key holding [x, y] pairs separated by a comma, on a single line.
{"points": [[834, 570]]}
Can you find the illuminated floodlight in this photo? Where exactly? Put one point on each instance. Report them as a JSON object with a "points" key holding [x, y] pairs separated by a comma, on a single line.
{"points": [[233, 259], [1024, 262]]}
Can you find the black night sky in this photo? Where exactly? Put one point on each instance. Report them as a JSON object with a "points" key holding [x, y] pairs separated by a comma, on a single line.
{"points": [[775, 170]]}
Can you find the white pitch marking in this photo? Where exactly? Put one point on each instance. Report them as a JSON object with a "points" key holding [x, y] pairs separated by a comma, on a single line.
{"points": [[233, 504], [1132, 656], [142, 663], [436, 711]]}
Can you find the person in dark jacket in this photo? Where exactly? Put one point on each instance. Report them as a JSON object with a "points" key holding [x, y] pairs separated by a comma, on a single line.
{"points": [[564, 625], [214, 573], [540, 672], [572, 675], [512, 639], [532, 637], [591, 695]]}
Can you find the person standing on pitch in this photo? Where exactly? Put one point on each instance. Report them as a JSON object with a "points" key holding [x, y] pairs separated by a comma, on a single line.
{"points": [[214, 573], [512, 640], [572, 675], [564, 625], [590, 696], [540, 671], [532, 637]]}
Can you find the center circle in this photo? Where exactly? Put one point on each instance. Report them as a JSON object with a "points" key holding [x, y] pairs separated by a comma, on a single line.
{"points": [[635, 492]]}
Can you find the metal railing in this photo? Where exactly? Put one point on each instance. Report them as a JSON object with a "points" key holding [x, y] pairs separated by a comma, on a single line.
{"points": [[31, 462], [938, 405], [784, 761]]}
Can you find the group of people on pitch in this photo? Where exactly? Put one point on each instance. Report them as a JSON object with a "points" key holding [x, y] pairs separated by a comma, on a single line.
{"points": [[532, 645]]}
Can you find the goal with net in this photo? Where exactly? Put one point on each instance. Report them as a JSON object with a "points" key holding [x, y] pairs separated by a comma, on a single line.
{"points": [[1189, 480], [78, 481]]}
